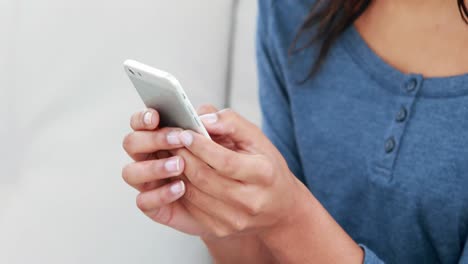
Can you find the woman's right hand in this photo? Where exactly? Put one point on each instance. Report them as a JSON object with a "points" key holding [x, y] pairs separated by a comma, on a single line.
{"points": [[161, 188], [156, 174]]}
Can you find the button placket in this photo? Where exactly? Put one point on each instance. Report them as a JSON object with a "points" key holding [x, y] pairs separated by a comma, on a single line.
{"points": [[390, 144], [411, 85], [401, 115]]}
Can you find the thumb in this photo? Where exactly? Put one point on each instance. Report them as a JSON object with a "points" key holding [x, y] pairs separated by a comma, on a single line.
{"points": [[227, 123], [206, 109]]}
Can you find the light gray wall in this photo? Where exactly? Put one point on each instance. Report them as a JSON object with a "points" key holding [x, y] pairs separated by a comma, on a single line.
{"points": [[244, 97], [66, 102], [8, 127]]}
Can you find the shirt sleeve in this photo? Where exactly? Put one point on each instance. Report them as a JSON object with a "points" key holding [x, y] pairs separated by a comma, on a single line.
{"points": [[277, 122], [464, 256], [370, 257]]}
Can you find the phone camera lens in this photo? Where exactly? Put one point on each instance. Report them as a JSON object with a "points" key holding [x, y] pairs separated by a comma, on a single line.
{"points": [[130, 70]]}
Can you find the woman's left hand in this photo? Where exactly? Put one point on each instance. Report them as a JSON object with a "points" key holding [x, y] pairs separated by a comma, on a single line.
{"points": [[241, 184]]}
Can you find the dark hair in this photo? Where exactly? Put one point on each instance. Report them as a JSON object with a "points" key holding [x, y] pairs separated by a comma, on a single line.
{"points": [[330, 18]]}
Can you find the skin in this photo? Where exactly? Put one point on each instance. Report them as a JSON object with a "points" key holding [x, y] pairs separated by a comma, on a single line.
{"points": [[237, 193], [417, 36]]}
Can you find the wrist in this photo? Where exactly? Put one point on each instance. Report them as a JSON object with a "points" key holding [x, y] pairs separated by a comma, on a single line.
{"points": [[239, 249], [310, 235], [298, 216]]}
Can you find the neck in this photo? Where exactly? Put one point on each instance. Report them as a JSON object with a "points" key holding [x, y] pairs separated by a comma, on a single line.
{"points": [[422, 12], [419, 36]]}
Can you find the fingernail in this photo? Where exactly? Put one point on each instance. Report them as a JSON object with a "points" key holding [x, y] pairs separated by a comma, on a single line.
{"points": [[209, 118], [186, 138], [177, 188], [148, 118], [173, 138], [172, 165]]}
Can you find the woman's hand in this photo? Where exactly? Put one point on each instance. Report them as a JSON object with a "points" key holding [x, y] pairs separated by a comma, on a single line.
{"points": [[241, 184], [244, 186], [235, 191], [156, 174], [149, 174]]}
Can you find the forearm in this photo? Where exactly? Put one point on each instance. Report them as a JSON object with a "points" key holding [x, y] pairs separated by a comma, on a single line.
{"points": [[312, 236], [246, 249]]}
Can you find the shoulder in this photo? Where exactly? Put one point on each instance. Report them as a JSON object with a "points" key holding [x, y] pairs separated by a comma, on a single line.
{"points": [[282, 18], [278, 24]]}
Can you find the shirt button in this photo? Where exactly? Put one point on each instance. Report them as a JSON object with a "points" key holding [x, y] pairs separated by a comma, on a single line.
{"points": [[390, 145], [411, 85], [402, 114]]}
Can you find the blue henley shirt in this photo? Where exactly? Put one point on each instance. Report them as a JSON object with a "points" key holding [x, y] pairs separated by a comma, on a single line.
{"points": [[386, 153]]}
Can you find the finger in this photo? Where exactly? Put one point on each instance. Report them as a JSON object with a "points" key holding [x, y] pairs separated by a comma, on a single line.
{"points": [[175, 215], [226, 162], [157, 198], [161, 215], [207, 180], [209, 223], [145, 120], [229, 123], [162, 154], [206, 109], [226, 218], [139, 144], [138, 173], [147, 186], [234, 193]]}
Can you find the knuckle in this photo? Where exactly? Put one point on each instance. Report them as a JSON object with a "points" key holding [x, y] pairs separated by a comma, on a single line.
{"points": [[141, 202], [266, 172], [128, 142], [255, 207], [156, 139], [199, 177], [162, 215], [239, 224], [155, 214], [126, 173], [221, 231], [155, 168]]}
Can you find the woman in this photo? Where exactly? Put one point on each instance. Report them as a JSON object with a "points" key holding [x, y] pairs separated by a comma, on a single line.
{"points": [[364, 156]]}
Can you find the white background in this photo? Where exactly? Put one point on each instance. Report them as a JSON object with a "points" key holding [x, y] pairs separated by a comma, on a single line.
{"points": [[65, 103]]}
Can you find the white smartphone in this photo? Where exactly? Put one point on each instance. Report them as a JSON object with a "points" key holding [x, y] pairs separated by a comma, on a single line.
{"points": [[163, 92]]}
